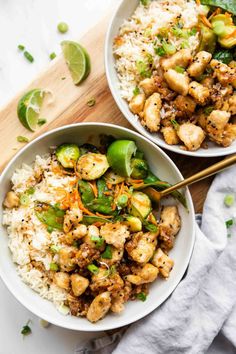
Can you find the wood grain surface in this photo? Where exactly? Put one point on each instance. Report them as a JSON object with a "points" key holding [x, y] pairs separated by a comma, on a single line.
{"points": [[70, 105]]}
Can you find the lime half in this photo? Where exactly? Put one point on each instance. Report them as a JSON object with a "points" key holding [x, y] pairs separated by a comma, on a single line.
{"points": [[28, 108], [77, 59], [119, 156]]}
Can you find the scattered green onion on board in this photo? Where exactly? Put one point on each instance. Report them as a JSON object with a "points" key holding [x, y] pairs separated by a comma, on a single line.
{"points": [[26, 330], [21, 47], [22, 139], [141, 296], [229, 200], [42, 121], [28, 56], [52, 56], [91, 102], [62, 27]]}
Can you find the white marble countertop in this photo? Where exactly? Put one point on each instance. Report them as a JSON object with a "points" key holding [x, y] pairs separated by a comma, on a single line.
{"points": [[33, 23]]}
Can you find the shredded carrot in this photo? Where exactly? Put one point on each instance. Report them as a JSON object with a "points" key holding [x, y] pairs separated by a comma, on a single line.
{"points": [[98, 223], [61, 193], [136, 180], [107, 193], [216, 12], [205, 21], [104, 216], [93, 185], [121, 189], [109, 185]]}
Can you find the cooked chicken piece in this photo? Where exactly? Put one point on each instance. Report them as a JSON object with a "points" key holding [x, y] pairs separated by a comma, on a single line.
{"points": [[191, 135], [72, 218], [99, 307], [93, 233], [181, 58], [151, 112], [62, 280], [137, 103], [199, 64], [100, 281], [117, 255], [232, 104], [149, 86], [202, 120], [232, 64], [142, 246], [67, 258], [216, 122], [169, 225], [120, 297], [185, 106], [224, 73], [208, 82], [147, 274], [79, 284], [162, 262], [199, 92], [11, 201], [115, 234], [170, 135], [177, 81], [86, 254], [77, 307], [230, 133], [79, 232], [163, 89]]}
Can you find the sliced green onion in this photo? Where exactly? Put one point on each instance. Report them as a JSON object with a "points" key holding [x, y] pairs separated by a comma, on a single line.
{"points": [[143, 69], [122, 200], [107, 253], [145, 2], [91, 102], [219, 28], [42, 121], [175, 124], [193, 31], [62, 27], [160, 51], [179, 69], [24, 199], [229, 223], [141, 296], [136, 91], [30, 191], [149, 226], [169, 48], [178, 32], [52, 56], [54, 267], [93, 269], [184, 44], [208, 110], [229, 200], [55, 248], [21, 47], [28, 56], [50, 229], [22, 139], [99, 241], [26, 330]]}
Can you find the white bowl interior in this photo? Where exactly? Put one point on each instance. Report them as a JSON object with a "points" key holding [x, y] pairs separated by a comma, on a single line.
{"points": [[160, 290], [123, 12]]}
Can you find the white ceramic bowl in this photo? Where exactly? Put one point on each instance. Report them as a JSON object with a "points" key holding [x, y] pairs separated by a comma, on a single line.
{"points": [[160, 164], [123, 12]]}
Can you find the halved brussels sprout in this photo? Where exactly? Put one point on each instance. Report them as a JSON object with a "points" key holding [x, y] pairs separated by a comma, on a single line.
{"points": [[92, 166], [134, 223], [67, 155], [113, 178], [141, 205]]}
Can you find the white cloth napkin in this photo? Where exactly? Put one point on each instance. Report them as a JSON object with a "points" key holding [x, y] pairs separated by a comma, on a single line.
{"points": [[203, 306]]}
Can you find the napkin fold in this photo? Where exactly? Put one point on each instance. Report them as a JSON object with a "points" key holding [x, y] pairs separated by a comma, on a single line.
{"points": [[203, 306]]}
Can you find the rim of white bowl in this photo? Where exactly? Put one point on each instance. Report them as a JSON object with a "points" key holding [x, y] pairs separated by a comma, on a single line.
{"points": [[83, 328], [122, 105]]}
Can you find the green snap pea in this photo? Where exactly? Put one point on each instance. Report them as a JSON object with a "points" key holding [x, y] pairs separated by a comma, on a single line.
{"points": [[50, 215]]}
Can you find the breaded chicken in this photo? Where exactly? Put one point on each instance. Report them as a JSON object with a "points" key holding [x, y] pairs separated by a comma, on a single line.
{"points": [[147, 274], [169, 226], [177, 81], [142, 246], [137, 102], [79, 284], [163, 262], [191, 135], [151, 112], [114, 234], [181, 58], [199, 92], [225, 75], [170, 135], [99, 307], [216, 122], [199, 64]]}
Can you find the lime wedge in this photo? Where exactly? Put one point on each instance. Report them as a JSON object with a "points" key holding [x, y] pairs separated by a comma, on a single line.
{"points": [[28, 108], [77, 59], [119, 156]]}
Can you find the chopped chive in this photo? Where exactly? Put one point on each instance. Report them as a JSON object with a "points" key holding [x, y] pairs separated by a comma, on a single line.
{"points": [[24, 199], [93, 269], [54, 267], [159, 51], [54, 248], [21, 47], [22, 139], [208, 110], [136, 91], [28, 56], [229, 200], [50, 229], [175, 124], [184, 44], [52, 56], [149, 226], [141, 296], [26, 330], [30, 191], [145, 2], [107, 254], [193, 31], [169, 48], [179, 69], [42, 121], [91, 102]]}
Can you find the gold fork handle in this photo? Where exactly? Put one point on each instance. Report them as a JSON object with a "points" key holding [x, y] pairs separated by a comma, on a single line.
{"points": [[219, 166]]}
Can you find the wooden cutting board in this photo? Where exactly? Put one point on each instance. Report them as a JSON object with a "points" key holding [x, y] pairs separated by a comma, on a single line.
{"points": [[70, 105]]}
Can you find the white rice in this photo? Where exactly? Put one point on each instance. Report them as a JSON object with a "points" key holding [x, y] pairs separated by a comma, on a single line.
{"points": [[132, 44], [28, 238]]}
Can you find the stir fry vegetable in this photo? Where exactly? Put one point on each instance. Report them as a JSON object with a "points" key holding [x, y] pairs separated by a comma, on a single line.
{"points": [[67, 154], [50, 215]]}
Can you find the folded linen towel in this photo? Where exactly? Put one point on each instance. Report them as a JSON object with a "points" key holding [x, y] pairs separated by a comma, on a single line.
{"points": [[203, 304]]}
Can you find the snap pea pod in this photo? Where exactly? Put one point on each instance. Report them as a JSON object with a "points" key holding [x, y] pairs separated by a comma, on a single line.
{"points": [[89, 220], [86, 191], [153, 181], [102, 187], [50, 215], [102, 205]]}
